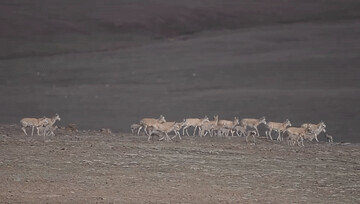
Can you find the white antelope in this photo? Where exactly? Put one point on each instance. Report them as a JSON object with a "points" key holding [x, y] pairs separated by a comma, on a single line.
{"points": [[316, 129], [145, 122], [228, 124], [194, 122], [33, 123], [277, 127], [253, 123]]}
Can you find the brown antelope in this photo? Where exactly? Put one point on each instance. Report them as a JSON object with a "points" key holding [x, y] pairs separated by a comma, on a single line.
{"points": [[298, 131], [329, 137], [277, 127], [50, 123], [298, 134], [205, 129], [145, 122], [208, 127], [293, 138], [228, 124], [194, 122], [134, 128], [316, 128], [48, 130], [176, 127], [250, 133], [253, 123], [165, 128], [240, 130], [33, 123], [223, 131]]}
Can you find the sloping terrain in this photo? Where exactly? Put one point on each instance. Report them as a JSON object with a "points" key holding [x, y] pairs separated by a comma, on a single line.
{"points": [[54, 27], [109, 64]]}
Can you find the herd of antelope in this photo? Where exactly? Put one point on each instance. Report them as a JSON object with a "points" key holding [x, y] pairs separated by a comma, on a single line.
{"points": [[245, 127], [44, 126], [202, 126]]}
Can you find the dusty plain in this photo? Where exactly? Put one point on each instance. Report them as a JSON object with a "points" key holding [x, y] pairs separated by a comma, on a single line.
{"points": [[92, 166]]}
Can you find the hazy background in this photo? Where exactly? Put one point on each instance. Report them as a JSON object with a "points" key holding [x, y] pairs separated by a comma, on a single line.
{"points": [[108, 63]]}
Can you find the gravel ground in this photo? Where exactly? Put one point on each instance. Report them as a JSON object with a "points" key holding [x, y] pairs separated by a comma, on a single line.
{"points": [[93, 166]]}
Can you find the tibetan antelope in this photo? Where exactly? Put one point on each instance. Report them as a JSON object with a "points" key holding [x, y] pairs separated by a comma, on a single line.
{"points": [[292, 139], [33, 123], [48, 130], [316, 128], [277, 127], [298, 131], [223, 131], [228, 124], [205, 129], [175, 128], [208, 127], [240, 130], [165, 128], [134, 128], [145, 122], [253, 123], [250, 133], [194, 122], [298, 134], [50, 123], [329, 137]]}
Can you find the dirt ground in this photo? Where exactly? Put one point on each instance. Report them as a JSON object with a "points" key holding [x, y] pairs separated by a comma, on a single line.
{"points": [[93, 166]]}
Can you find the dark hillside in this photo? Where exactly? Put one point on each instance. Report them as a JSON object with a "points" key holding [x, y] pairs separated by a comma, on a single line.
{"points": [[110, 63]]}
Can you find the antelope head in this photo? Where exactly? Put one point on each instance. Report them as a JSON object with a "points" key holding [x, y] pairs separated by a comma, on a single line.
{"points": [[162, 119], [263, 120], [57, 117], [287, 122], [236, 120]]}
